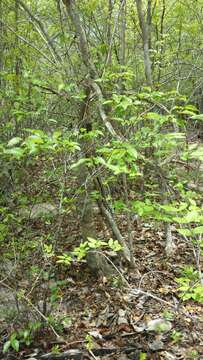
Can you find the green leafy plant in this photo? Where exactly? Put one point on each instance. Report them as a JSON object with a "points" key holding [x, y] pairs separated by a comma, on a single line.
{"points": [[56, 349], [190, 286], [142, 356], [193, 354], [23, 336], [168, 315], [81, 251], [13, 343], [58, 322], [89, 342], [176, 336]]}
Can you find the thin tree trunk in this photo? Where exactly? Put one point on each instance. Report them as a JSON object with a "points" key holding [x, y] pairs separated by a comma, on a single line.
{"points": [[84, 206], [169, 244], [17, 60], [41, 29], [1, 43], [145, 40], [86, 56], [123, 34], [124, 177], [161, 38], [109, 32], [96, 262], [83, 44], [129, 221], [110, 220], [122, 40], [149, 22]]}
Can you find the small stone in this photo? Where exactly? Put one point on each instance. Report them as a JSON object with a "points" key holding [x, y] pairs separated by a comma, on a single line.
{"points": [[95, 334], [122, 317], [123, 357], [156, 345], [37, 211], [159, 325]]}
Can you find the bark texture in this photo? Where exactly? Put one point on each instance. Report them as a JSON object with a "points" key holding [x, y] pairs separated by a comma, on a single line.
{"points": [[145, 40]]}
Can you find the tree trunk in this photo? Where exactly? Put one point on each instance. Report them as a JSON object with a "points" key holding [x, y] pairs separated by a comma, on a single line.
{"points": [[86, 56], [161, 38], [145, 40], [109, 32], [122, 40], [84, 205], [1, 43]]}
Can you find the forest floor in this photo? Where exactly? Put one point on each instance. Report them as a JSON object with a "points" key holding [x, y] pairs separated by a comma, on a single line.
{"points": [[110, 320]]}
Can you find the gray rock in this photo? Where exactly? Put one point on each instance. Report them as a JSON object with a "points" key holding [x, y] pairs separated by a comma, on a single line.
{"points": [[37, 211], [8, 308], [159, 325], [156, 345]]}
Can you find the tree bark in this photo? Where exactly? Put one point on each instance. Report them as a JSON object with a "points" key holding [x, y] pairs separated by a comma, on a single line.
{"points": [[145, 40], [109, 32], [1, 43], [123, 33], [84, 206], [17, 59], [96, 262], [149, 22], [84, 50], [122, 41], [161, 38]]}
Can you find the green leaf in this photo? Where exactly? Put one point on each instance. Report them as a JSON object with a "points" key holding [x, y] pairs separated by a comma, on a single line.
{"points": [[39, 133], [191, 107], [95, 244], [131, 150], [80, 162], [36, 139], [185, 232], [65, 259], [15, 152], [6, 346], [192, 216], [175, 136], [143, 356], [53, 121], [106, 102], [197, 117], [114, 245], [187, 112], [155, 116], [15, 344], [197, 154], [198, 230], [26, 333], [125, 103], [56, 135], [61, 87], [119, 205], [14, 141], [81, 251]]}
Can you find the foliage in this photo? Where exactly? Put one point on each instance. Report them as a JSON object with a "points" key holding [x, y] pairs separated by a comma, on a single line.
{"points": [[82, 126], [176, 336], [81, 251], [190, 286], [89, 342], [24, 336]]}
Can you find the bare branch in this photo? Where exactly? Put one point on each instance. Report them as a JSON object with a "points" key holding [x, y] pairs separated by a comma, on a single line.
{"points": [[28, 43], [40, 28]]}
